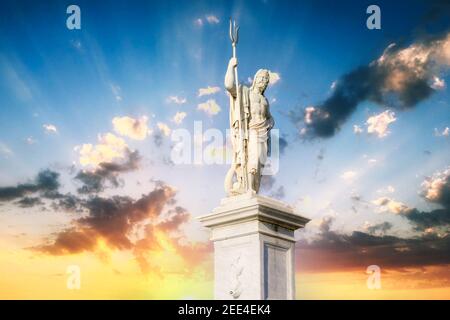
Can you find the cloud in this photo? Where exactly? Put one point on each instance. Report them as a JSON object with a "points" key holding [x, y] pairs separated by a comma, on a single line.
{"points": [[207, 91], [93, 181], [445, 132], [45, 182], [28, 202], [210, 107], [424, 220], [379, 123], [388, 189], [438, 84], [198, 22], [147, 227], [5, 151], [380, 228], [176, 100], [143, 226], [44, 186], [333, 85], [330, 250], [387, 204], [437, 188], [132, 128], [109, 148], [30, 140], [164, 128], [212, 19], [349, 175], [357, 129], [67, 202], [76, 44], [274, 77], [179, 117], [401, 78], [50, 128], [110, 219]]}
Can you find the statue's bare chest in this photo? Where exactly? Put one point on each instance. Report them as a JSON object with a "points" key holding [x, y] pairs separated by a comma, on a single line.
{"points": [[258, 104]]}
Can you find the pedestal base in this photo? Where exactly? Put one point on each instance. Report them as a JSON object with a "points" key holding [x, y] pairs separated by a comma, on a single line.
{"points": [[254, 247]]}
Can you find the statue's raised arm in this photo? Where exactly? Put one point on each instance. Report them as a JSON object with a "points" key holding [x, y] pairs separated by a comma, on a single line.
{"points": [[230, 81]]}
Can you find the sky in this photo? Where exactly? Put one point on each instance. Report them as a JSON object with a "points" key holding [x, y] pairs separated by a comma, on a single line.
{"points": [[90, 178]]}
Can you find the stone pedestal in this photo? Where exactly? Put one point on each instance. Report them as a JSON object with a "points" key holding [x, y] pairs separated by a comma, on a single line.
{"points": [[254, 254]]}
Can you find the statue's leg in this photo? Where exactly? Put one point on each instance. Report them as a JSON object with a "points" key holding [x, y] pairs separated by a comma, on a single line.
{"points": [[252, 159], [228, 183], [257, 179], [252, 179]]}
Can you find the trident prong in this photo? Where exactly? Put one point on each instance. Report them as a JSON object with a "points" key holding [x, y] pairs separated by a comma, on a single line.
{"points": [[234, 32]]}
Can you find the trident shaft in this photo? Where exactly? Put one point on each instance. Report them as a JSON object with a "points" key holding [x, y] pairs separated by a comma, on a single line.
{"points": [[234, 37]]}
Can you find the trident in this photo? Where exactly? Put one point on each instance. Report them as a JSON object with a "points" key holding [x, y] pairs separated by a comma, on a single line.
{"points": [[234, 37]]}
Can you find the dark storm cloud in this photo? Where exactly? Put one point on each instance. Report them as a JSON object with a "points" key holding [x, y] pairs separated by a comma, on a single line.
{"points": [[401, 78], [46, 185], [440, 188], [67, 202], [178, 217], [436, 190], [423, 220], [94, 181], [111, 219], [27, 202], [331, 250], [46, 181], [114, 220], [381, 227], [438, 11], [116, 223]]}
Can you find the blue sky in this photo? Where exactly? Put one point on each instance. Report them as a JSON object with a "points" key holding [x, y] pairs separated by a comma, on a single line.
{"points": [[155, 50], [128, 59]]}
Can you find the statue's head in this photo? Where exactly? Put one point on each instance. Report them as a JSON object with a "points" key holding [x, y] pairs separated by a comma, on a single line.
{"points": [[261, 80]]}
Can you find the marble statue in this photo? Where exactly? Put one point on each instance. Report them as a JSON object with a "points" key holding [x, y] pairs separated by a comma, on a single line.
{"points": [[253, 235], [250, 125]]}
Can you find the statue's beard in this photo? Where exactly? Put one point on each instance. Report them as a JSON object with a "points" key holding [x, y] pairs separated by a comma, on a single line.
{"points": [[261, 87]]}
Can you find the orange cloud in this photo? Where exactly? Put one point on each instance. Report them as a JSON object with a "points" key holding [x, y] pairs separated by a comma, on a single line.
{"points": [[145, 227]]}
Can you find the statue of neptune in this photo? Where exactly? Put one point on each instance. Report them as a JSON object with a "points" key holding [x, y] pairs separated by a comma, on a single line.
{"points": [[250, 124]]}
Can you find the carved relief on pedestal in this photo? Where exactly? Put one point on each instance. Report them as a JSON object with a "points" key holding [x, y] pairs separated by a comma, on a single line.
{"points": [[236, 270]]}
